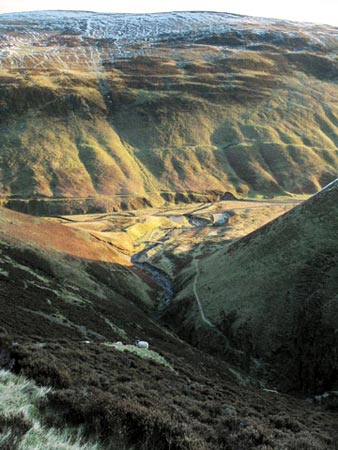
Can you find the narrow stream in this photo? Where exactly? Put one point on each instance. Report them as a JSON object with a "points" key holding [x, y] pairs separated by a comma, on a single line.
{"points": [[160, 277]]}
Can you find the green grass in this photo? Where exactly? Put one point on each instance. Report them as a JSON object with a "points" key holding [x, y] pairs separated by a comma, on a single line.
{"points": [[119, 331], [250, 132], [142, 353], [19, 402], [278, 284]]}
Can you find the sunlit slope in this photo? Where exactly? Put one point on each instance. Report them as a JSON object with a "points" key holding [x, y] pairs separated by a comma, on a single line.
{"points": [[273, 294], [65, 298], [230, 103], [54, 278]]}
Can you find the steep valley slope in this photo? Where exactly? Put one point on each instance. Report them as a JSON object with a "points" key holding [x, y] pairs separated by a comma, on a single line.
{"points": [[99, 105], [270, 299], [104, 113], [66, 297]]}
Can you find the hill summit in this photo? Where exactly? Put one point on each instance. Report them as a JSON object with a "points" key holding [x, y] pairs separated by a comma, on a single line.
{"points": [[103, 104]]}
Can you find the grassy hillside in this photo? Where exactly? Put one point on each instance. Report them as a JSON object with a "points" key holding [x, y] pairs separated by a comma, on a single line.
{"points": [[64, 269], [184, 114], [101, 396], [102, 113], [273, 295], [22, 424]]}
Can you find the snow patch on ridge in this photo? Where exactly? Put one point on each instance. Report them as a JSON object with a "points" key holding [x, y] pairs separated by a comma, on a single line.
{"points": [[33, 39]]}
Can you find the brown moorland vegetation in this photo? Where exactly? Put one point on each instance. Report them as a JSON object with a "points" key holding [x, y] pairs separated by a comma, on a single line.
{"points": [[197, 402], [251, 110]]}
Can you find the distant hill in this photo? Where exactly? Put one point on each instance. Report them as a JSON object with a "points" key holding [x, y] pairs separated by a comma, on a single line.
{"points": [[98, 104], [271, 297]]}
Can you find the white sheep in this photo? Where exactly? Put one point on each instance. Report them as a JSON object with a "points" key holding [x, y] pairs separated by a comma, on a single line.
{"points": [[142, 344]]}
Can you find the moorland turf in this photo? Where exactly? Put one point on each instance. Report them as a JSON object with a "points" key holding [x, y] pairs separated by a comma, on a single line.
{"points": [[91, 123], [192, 114], [199, 402], [273, 294]]}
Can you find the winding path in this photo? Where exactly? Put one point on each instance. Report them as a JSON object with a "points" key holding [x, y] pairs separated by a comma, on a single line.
{"points": [[163, 280], [199, 303]]}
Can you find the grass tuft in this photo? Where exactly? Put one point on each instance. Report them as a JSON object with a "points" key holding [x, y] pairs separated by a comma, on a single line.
{"points": [[22, 423], [142, 353]]}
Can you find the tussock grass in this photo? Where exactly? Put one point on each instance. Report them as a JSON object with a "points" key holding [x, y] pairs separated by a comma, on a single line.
{"points": [[22, 423]]}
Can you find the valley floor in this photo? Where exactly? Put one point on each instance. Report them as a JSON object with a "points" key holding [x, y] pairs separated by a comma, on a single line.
{"points": [[170, 237], [180, 398]]}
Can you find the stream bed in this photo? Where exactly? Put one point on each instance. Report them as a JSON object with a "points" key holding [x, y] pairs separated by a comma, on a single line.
{"points": [[160, 277]]}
